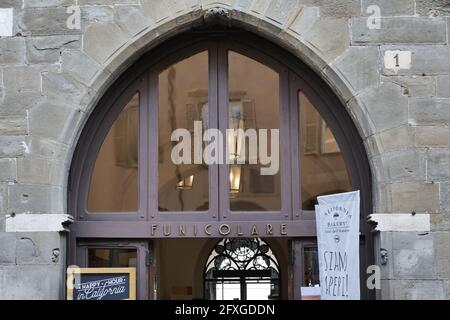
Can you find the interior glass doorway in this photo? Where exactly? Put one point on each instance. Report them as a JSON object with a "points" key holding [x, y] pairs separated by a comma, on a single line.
{"points": [[242, 269]]}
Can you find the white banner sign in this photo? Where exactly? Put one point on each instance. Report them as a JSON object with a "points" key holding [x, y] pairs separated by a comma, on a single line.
{"points": [[337, 222]]}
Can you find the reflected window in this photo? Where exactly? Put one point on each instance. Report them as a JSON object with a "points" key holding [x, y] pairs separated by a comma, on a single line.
{"points": [[323, 169], [183, 103], [253, 107], [114, 181], [111, 258], [310, 267]]}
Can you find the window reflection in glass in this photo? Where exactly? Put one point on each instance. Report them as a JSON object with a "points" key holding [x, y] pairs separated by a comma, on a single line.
{"points": [[111, 258], [114, 181], [323, 170], [183, 99], [310, 267], [254, 104]]}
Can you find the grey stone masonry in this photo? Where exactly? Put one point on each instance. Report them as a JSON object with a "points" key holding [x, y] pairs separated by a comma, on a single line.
{"points": [[391, 72]]}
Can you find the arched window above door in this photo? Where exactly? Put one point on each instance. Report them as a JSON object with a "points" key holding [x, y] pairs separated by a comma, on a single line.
{"points": [[131, 167]]}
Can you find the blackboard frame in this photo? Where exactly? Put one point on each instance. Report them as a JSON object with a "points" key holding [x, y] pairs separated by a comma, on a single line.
{"points": [[131, 272]]}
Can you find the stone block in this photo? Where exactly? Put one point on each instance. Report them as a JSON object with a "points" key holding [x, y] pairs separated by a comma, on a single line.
{"points": [[430, 7], [445, 196], [357, 110], [54, 83], [12, 146], [3, 200], [160, 10], [17, 104], [32, 282], [414, 86], [46, 3], [383, 243], [12, 51], [400, 30], [8, 170], [425, 60], [415, 197], [95, 14], [45, 21], [131, 19], [48, 49], [13, 125], [417, 289], [102, 40], [390, 8], [446, 289], [47, 148], [79, 65], [432, 136], [106, 2], [37, 170], [7, 248], [35, 199], [281, 11], [53, 121], [429, 111], [413, 256], [442, 243], [386, 290], [441, 221], [400, 166], [330, 36], [387, 106], [20, 80], [359, 67], [39, 248], [10, 4], [395, 139], [304, 20], [339, 9], [438, 162], [443, 86]]}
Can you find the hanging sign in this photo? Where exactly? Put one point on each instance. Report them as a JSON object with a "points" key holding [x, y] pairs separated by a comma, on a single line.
{"points": [[101, 283], [337, 223]]}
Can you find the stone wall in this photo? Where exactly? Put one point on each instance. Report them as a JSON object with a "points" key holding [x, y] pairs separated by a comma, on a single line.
{"points": [[51, 77]]}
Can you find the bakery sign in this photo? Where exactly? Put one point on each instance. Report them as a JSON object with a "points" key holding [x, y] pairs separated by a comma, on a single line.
{"points": [[337, 223]]}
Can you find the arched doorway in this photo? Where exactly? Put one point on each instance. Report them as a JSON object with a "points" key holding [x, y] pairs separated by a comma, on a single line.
{"points": [[126, 187], [242, 269]]}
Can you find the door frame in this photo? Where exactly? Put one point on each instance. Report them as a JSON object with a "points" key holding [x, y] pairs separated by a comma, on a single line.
{"points": [[144, 256]]}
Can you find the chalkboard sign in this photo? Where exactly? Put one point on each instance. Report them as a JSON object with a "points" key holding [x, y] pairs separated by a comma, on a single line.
{"points": [[101, 283]]}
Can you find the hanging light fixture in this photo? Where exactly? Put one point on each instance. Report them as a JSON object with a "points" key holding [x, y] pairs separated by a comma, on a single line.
{"points": [[236, 135], [235, 178], [186, 184], [235, 142]]}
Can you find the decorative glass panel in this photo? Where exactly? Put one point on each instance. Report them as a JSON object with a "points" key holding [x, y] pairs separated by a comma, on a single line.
{"points": [[323, 169], [253, 138], [183, 105], [114, 181], [242, 269]]}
